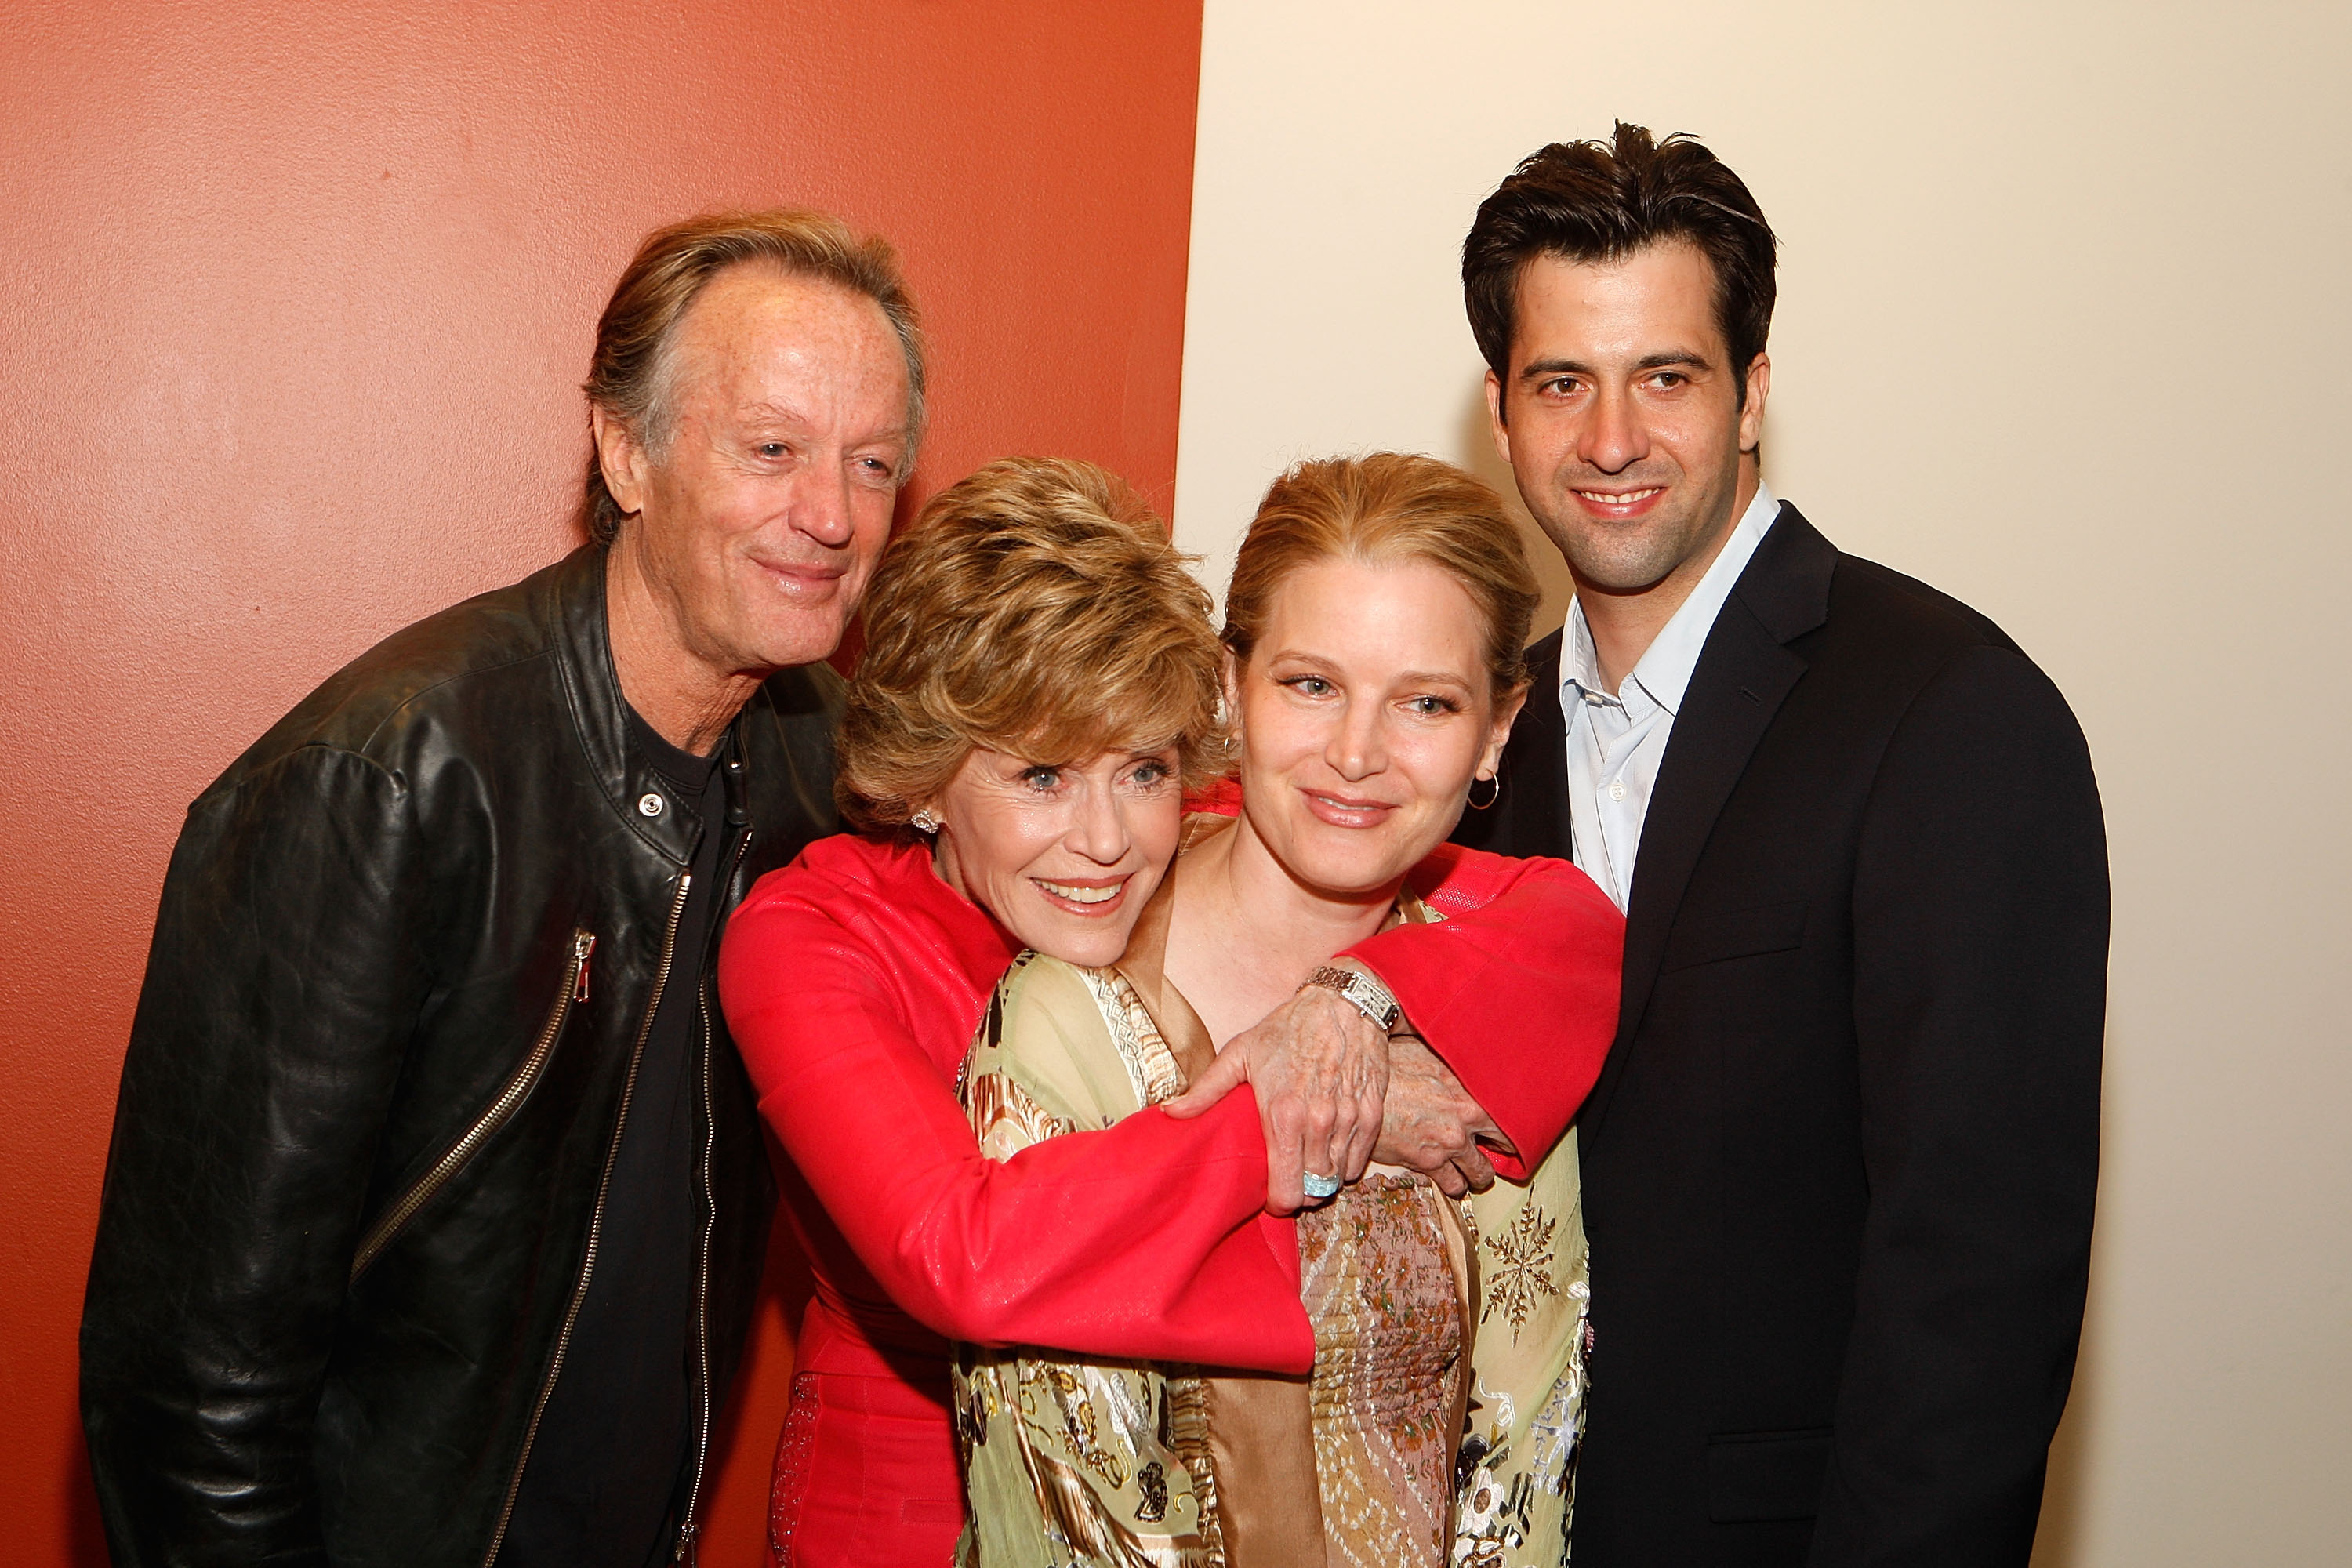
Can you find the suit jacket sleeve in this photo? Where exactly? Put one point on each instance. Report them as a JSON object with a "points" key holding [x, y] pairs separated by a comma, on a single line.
{"points": [[1516, 989], [279, 991], [1979, 939], [1140, 1241]]}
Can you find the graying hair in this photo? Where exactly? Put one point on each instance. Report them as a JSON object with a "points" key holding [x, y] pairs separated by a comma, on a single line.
{"points": [[631, 376]]}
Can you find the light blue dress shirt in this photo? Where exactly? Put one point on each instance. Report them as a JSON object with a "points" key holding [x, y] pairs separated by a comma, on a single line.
{"points": [[1616, 740]]}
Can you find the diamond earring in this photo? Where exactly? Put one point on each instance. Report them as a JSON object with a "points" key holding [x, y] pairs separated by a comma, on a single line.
{"points": [[925, 821]]}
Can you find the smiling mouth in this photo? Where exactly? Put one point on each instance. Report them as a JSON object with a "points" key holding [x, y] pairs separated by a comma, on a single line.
{"points": [[800, 576], [1342, 812], [1083, 897], [1619, 498]]}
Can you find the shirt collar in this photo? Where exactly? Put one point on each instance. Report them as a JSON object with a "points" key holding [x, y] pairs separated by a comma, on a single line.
{"points": [[1665, 672]]}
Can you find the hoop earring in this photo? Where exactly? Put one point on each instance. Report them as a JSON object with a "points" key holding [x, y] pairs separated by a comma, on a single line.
{"points": [[924, 821], [1492, 795]]}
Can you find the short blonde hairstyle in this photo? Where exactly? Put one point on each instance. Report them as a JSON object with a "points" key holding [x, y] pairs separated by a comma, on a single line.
{"points": [[1381, 509], [1036, 607], [631, 376]]}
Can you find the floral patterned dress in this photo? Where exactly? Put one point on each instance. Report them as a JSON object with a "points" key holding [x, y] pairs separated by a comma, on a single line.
{"points": [[1516, 1467], [1395, 1452]]}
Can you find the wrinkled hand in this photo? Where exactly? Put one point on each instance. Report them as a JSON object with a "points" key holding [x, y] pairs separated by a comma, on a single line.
{"points": [[1429, 1122], [1321, 1070]]}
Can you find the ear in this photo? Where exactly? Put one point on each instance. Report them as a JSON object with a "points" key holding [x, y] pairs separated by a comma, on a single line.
{"points": [[1494, 424], [621, 458], [1229, 682], [1507, 713], [1751, 417]]}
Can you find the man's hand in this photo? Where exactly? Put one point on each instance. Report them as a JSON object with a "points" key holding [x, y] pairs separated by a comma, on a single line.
{"points": [[1321, 1070], [1429, 1122]]}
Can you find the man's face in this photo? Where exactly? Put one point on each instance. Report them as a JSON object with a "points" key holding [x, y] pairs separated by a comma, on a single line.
{"points": [[1622, 417], [761, 523]]}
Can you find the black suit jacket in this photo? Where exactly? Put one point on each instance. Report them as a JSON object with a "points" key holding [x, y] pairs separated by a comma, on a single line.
{"points": [[1839, 1167]]}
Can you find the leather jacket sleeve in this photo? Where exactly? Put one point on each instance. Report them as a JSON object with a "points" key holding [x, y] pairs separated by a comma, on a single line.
{"points": [[1140, 1241], [278, 994], [1516, 989]]}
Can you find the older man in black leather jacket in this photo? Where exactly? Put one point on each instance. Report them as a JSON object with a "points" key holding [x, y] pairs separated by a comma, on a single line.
{"points": [[428, 1100]]}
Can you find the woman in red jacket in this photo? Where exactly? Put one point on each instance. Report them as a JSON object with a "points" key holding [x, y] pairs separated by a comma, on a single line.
{"points": [[1059, 625]]}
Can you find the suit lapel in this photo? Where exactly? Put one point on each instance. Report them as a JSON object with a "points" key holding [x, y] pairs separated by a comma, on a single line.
{"points": [[1743, 674]]}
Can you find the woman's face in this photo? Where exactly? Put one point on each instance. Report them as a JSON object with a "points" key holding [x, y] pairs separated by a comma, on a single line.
{"points": [[1364, 714], [1063, 856]]}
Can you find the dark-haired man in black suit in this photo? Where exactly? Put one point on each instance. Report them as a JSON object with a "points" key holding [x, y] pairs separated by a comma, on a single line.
{"points": [[1838, 1168]]}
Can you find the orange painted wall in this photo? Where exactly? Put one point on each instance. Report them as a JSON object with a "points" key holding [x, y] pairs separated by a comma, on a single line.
{"points": [[294, 302]]}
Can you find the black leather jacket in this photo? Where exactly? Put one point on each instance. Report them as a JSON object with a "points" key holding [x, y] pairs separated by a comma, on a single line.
{"points": [[408, 950]]}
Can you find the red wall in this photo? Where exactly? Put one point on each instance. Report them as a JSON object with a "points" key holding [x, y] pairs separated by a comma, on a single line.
{"points": [[294, 302]]}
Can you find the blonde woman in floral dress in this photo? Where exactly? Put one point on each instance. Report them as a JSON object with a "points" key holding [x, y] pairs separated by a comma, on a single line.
{"points": [[1374, 625]]}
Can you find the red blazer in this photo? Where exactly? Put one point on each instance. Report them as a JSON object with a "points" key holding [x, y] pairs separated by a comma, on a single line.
{"points": [[853, 982]]}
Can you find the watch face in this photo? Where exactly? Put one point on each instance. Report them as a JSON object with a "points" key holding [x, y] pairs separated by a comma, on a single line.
{"points": [[1363, 993], [1372, 998]]}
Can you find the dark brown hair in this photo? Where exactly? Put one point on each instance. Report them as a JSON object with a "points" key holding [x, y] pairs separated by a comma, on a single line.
{"points": [[1035, 607], [630, 378], [1384, 508], [1598, 202]]}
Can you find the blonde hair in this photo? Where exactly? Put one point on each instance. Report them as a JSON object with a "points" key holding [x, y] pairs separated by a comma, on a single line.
{"points": [[630, 374], [1036, 607], [1381, 509]]}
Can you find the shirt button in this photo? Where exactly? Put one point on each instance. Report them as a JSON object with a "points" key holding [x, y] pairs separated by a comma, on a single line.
{"points": [[650, 805], [1616, 789]]}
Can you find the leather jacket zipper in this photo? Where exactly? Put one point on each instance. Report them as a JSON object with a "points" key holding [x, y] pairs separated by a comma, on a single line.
{"points": [[596, 1220], [690, 1523], [517, 1088]]}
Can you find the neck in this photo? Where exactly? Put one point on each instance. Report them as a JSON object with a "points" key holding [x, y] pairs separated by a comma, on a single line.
{"points": [[688, 702], [1246, 933], [1625, 623], [1305, 924]]}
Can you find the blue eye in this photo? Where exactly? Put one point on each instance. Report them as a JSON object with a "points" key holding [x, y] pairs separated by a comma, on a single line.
{"points": [[1042, 779]]}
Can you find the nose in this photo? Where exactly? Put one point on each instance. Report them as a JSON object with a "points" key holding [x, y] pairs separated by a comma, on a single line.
{"points": [[1358, 747], [1613, 436], [1100, 830], [821, 507]]}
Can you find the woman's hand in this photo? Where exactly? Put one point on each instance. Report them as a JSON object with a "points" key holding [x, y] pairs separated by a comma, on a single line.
{"points": [[1321, 1072], [1429, 1122]]}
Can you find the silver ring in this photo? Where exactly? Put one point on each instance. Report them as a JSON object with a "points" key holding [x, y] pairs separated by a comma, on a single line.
{"points": [[1320, 1186]]}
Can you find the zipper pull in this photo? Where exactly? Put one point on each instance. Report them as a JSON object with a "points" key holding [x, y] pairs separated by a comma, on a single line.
{"points": [[685, 1542], [583, 942]]}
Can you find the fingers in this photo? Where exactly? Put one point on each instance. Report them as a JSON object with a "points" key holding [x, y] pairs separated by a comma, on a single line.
{"points": [[1450, 1181], [1353, 1153], [1298, 1140], [1339, 1073], [1475, 1170], [1228, 1073], [1321, 1071], [1286, 1168]]}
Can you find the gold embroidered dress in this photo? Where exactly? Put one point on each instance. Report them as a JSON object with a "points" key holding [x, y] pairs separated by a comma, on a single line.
{"points": [[1106, 1463], [1516, 1468], [1070, 1462]]}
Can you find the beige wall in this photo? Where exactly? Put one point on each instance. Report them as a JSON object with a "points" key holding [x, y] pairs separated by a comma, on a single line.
{"points": [[2063, 329]]}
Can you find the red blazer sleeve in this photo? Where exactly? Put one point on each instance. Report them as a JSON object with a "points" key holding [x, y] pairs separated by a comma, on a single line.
{"points": [[1141, 1241], [1516, 989]]}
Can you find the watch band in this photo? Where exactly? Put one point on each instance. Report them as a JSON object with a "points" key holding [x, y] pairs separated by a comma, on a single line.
{"points": [[1361, 991]]}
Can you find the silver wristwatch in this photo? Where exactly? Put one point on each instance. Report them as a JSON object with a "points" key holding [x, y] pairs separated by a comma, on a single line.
{"points": [[1362, 992]]}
